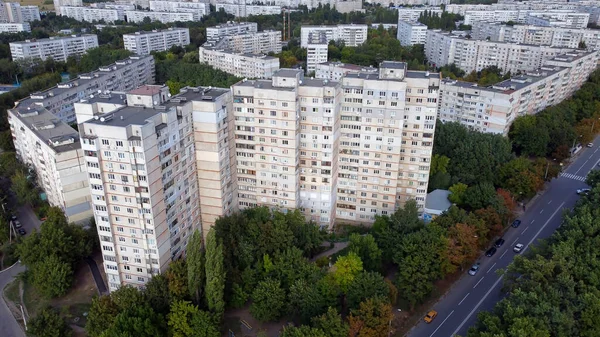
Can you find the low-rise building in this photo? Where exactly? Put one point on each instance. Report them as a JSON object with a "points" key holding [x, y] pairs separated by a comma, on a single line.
{"points": [[352, 35], [334, 71], [240, 64], [57, 48], [411, 33], [142, 43], [436, 204], [15, 27]]}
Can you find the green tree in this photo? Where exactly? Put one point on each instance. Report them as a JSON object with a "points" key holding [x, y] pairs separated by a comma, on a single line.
{"points": [[367, 285], [302, 331], [215, 274], [365, 247], [156, 294], [8, 164], [370, 319], [48, 323], [186, 320], [177, 279], [529, 136], [439, 163], [101, 315], [458, 191], [52, 277], [268, 301], [25, 193], [331, 323], [138, 320], [345, 270], [308, 300], [389, 230], [593, 178], [480, 195], [195, 266]]}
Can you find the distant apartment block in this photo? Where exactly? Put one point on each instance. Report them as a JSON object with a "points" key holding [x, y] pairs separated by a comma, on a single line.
{"points": [[13, 12], [553, 17], [53, 150], [15, 27], [142, 43], [387, 3], [334, 71], [492, 109], [91, 14], [57, 48], [215, 33], [240, 64], [442, 48], [352, 35], [316, 50], [243, 10], [256, 42], [58, 4], [342, 6], [198, 9], [537, 35], [413, 14], [411, 33], [123, 75], [164, 17]]}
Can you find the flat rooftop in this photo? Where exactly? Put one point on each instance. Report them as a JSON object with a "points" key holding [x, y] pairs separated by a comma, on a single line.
{"points": [[53, 38], [147, 89], [262, 84], [349, 66], [49, 129], [146, 32]]}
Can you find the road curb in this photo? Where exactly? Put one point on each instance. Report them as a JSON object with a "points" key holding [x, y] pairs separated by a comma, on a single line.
{"points": [[6, 269]]}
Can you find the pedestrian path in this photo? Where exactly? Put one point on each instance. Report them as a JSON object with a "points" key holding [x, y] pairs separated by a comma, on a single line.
{"points": [[572, 176]]}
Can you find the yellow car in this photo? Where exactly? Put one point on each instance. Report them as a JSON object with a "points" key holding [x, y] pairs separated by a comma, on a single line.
{"points": [[430, 316]]}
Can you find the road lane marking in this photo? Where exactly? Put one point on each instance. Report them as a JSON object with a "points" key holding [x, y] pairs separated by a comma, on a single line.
{"points": [[459, 303], [542, 211], [515, 241], [548, 203], [501, 277], [444, 321], [492, 267], [532, 221], [478, 282], [593, 167], [581, 166], [503, 253], [525, 230], [591, 155]]}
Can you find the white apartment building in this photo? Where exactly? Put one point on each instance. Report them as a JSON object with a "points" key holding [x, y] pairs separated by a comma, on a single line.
{"points": [[142, 43], [240, 64], [243, 10], [91, 14], [60, 3], [550, 17], [413, 14], [256, 43], [121, 76], [342, 6], [316, 53], [334, 71], [143, 180], [214, 34], [164, 17], [15, 27], [52, 149], [58, 48], [411, 33], [442, 48], [199, 9], [112, 5], [492, 109], [529, 34], [13, 12], [352, 35], [364, 144], [390, 3]]}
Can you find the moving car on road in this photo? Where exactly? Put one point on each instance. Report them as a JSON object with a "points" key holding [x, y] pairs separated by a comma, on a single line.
{"points": [[518, 248], [490, 252], [516, 223], [474, 269], [499, 243], [583, 191], [590, 145], [430, 316]]}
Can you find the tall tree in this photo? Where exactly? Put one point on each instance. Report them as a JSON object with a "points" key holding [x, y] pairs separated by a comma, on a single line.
{"points": [[195, 266], [215, 274], [367, 250], [177, 280], [186, 320], [101, 315], [371, 319], [331, 323], [345, 270], [367, 285], [268, 301], [48, 323]]}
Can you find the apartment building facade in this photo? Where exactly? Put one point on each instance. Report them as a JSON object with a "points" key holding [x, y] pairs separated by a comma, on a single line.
{"points": [[411, 33], [215, 33], [492, 109], [143, 182], [199, 9], [13, 12], [442, 48], [316, 51], [413, 14], [239, 64], [52, 149], [142, 43], [256, 43], [550, 17], [164, 17], [122, 75], [244, 11], [352, 35], [91, 14], [57, 48], [15, 27], [334, 71], [58, 4], [342, 6]]}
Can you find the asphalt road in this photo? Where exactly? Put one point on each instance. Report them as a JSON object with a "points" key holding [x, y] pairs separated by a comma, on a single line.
{"points": [[8, 325], [457, 311]]}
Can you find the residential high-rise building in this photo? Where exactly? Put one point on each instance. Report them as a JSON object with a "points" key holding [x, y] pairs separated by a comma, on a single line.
{"points": [[316, 51], [60, 3], [334, 71], [412, 14], [142, 43], [15, 27], [164, 17], [256, 42], [411, 33], [199, 9], [91, 14], [122, 75], [57, 48], [215, 33], [13, 12], [442, 48], [243, 10], [352, 35], [143, 181], [239, 64]]}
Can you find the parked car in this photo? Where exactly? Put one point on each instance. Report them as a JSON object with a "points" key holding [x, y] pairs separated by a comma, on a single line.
{"points": [[590, 145], [583, 191], [516, 223], [22, 231], [499, 243], [430, 316], [518, 248], [17, 224], [474, 269], [13, 217], [490, 252]]}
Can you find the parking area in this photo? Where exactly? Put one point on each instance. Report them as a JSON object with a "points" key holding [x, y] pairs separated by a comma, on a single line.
{"points": [[27, 219]]}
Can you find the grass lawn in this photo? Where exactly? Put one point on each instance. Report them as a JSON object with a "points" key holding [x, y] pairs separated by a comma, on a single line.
{"points": [[12, 291], [46, 4]]}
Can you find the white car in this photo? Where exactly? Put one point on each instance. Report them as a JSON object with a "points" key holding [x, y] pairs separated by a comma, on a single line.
{"points": [[590, 145], [518, 247], [583, 191]]}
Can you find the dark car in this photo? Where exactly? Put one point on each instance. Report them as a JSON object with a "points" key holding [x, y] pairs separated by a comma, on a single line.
{"points": [[490, 252], [22, 231], [499, 243], [516, 223], [13, 217], [17, 224]]}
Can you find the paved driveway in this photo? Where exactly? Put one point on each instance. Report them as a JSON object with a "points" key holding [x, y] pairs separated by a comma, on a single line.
{"points": [[8, 325]]}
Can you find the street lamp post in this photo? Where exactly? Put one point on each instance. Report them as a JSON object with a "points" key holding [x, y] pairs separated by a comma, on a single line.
{"points": [[594, 123]]}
